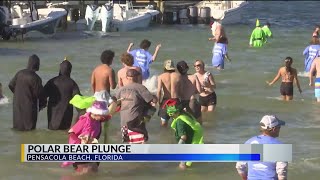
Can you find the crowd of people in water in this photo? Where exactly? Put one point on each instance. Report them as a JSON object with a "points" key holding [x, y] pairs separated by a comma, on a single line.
{"points": [[181, 97]]}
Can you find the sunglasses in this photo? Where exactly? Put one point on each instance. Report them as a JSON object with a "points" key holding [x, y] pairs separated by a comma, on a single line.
{"points": [[197, 65]]}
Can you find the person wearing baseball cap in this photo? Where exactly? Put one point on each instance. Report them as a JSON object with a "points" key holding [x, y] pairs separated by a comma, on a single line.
{"points": [[270, 128], [137, 107]]}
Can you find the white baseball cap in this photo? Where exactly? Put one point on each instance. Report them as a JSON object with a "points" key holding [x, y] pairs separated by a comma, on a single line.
{"points": [[271, 121]]}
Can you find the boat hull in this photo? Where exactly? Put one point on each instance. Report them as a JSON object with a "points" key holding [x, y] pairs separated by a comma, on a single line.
{"points": [[139, 22], [48, 25]]}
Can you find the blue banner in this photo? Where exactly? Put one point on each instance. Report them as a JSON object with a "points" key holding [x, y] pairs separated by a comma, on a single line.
{"points": [[142, 157]]}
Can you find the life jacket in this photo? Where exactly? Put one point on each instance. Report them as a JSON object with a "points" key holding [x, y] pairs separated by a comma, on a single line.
{"points": [[194, 124]]}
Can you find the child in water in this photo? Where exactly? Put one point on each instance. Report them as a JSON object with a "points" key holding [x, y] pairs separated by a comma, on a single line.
{"points": [[288, 75], [87, 130]]}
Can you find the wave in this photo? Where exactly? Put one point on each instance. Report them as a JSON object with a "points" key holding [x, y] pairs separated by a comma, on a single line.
{"points": [[303, 74]]}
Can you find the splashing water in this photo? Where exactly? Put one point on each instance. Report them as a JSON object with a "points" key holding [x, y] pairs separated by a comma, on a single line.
{"points": [[4, 100], [151, 84]]}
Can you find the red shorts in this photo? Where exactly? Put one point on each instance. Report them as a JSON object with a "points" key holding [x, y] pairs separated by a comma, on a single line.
{"points": [[135, 137]]}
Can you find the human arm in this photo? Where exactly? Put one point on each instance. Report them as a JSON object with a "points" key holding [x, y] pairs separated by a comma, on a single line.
{"points": [[297, 81], [93, 82], [129, 47], [208, 87], [198, 84], [312, 70], [217, 33], [275, 79], [282, 170], [156, 52], [120, 83], [181, 131], [12, 83], [112, 80], [242, 169], [159, 89], [306, 51]]}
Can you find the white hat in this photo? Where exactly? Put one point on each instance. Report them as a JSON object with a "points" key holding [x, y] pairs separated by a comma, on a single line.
{"points": [[270, 121]]}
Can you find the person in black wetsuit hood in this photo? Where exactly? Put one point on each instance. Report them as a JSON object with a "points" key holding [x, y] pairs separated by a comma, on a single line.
{"points": [[28, 99], [60, 91]]}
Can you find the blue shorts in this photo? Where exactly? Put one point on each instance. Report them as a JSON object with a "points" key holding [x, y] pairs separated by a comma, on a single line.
{"points": [[317, 88], [218, 62]]}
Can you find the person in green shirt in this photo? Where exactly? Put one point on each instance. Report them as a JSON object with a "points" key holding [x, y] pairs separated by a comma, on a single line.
{"points": [[258, 36], [187, 129], [267, 31]]}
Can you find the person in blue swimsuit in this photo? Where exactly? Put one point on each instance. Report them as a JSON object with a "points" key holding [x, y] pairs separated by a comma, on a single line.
{"points": [[220, 52], [143, 58]]}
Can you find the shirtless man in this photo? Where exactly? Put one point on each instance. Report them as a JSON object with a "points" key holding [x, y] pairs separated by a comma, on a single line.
{"points": [[187, 88], [208, 97], [103, 77], [315, 69], [164, 86], [127, 62], [288, 75]]}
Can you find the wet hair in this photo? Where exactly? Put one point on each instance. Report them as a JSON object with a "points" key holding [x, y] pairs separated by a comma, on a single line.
{"points": [[268, 24], [317, 26], [223, 40], [314, 40], [288, 61], [127, 59], [145, 44], [107, 57]]}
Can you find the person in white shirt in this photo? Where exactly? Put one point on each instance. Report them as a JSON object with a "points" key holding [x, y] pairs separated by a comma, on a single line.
{"points": [[270, 128]]}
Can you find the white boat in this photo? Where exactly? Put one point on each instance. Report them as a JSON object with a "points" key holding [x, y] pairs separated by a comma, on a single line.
{"points": [[115, 16], [229, 11], [25, 18]]}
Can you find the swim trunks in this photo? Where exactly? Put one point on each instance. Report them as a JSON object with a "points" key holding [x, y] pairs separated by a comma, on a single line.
{"points": [[102, 96], [209, 100], [286, 89], [317, 88], [162, 113]]}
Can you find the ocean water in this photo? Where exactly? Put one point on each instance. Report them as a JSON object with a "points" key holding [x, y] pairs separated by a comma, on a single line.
{"points": [[243, 95]]}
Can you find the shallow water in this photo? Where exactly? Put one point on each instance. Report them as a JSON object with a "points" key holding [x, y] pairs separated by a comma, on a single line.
{"points": [[243, 95]]}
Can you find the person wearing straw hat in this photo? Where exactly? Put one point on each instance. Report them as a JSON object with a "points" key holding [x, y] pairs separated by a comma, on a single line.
{"points": [[164, 87], [258, 37], [270, 128]]}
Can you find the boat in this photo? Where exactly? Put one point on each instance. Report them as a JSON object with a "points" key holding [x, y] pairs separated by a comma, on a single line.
{"points": [[229, 11], [25, 17], [117, 16]]}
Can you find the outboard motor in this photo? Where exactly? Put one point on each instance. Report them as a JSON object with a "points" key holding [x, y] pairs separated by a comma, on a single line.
{"points": [[5, 31], [106, 16], [92, 14]]}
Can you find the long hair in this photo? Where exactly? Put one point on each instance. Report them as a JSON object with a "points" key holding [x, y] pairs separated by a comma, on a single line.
{"points": [[288, 61]]}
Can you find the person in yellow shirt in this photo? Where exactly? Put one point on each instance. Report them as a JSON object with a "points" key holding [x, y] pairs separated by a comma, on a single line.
{"points": [[258, 36], [267, 31]]}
